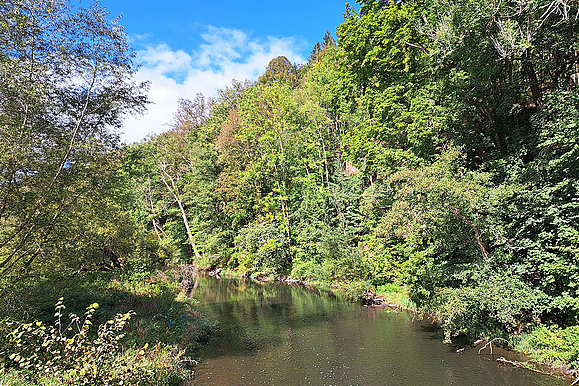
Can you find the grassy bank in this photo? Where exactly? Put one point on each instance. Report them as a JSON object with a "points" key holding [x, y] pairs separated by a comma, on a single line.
{"points": [[135, 328]]}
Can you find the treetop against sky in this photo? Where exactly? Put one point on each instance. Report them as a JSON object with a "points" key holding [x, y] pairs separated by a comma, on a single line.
{"points": [[190, 47]]}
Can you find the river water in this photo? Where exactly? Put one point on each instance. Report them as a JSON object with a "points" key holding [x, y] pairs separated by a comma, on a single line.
{"points": [[278, 334]]}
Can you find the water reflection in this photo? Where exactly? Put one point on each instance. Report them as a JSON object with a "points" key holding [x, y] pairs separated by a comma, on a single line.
{"points": [[276, 334]]}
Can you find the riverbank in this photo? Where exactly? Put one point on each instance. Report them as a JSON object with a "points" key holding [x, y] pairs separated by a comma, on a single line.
{"points": [[548, 350], [149, 331], [289, 334], [166, 328]]}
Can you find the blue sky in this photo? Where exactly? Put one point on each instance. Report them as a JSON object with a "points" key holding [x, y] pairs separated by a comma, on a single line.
{"points": [[190, 47]]}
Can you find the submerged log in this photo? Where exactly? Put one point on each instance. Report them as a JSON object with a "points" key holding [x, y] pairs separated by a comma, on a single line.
{"points": [[508, 362], [369, 298]]}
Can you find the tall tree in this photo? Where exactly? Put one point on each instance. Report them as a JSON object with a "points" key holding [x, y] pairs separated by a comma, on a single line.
{"points": [[64, 85], [280, 70], [389, 85]]}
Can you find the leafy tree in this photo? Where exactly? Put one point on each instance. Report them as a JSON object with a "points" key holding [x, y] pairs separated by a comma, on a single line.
{"points": [[64, 84], [498, 61], [443, 205], [541, 217], [389, 86], [281, 70]]}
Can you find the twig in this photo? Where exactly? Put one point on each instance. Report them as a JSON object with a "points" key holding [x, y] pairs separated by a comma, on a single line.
{"points": [[490, 344]]}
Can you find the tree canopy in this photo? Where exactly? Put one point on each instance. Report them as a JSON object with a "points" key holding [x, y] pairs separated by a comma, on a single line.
{"points": [[432, 145], [64, 87]]}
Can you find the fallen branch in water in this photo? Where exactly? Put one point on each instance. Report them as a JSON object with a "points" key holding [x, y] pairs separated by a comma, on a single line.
{"points": [[490, 344], [532, 367], [474, 344], [508, 362]]}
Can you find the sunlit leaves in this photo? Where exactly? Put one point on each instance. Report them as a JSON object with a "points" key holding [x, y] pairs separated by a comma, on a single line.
{"points": [[64, 86]]}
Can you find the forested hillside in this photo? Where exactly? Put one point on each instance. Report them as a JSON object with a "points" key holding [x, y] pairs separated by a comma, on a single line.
{"points": [[432, 147]]}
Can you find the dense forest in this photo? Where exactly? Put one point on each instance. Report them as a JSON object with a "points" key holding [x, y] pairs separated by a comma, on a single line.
{"points": [[432, 148]]}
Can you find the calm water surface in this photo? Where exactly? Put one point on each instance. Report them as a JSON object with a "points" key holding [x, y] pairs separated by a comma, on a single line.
{"points": [[277, 334]]}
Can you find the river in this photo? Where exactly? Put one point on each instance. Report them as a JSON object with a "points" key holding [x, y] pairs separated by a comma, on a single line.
{"points": [[279, 334]]}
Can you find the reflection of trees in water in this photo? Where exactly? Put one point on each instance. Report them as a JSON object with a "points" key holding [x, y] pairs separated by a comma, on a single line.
{"points": [[274, 333], [254, 315]]}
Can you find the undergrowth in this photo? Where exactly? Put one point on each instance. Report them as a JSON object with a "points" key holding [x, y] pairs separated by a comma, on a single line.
{"points": [[70, 352], [149, 330]]}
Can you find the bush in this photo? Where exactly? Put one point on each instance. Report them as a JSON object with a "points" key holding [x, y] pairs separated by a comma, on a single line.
{"points": [[555, 346], [264, 248], [306, 270], [382, 259], [71, 353], [497, 303]]}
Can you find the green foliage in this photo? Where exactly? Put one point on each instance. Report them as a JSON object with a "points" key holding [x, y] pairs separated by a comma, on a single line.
{"points": [[280, 70], [495, 302], [392, 92], [554, 345], [445, 206], [268, 246], [307, 270], [175, 179], [383, 258], [396, 294], [356, 290], [163, 312], [434, 148], [346, 267], [64, 84], [67, 351], [542, 216]]}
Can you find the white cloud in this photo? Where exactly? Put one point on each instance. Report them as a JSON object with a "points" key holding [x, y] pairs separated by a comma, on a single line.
{"points": [[227, 54]]}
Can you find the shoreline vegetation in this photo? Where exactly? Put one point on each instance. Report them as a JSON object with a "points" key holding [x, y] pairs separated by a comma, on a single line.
{"points": [[396, 299], [164, 331], [138, 328], [428, 150]]}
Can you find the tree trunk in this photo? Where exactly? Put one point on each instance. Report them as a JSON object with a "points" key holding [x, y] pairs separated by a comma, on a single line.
{"points": [[186, 223], [532, 76], [477, 233], [171, 189]]}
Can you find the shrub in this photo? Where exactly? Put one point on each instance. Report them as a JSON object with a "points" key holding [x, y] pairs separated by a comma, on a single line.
{"points": [[73, 354], [306, 270], [264, 248], [497, 303], [554, 345]]}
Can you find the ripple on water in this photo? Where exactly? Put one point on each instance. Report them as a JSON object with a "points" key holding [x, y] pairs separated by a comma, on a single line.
{"points": [[273, 334]]}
